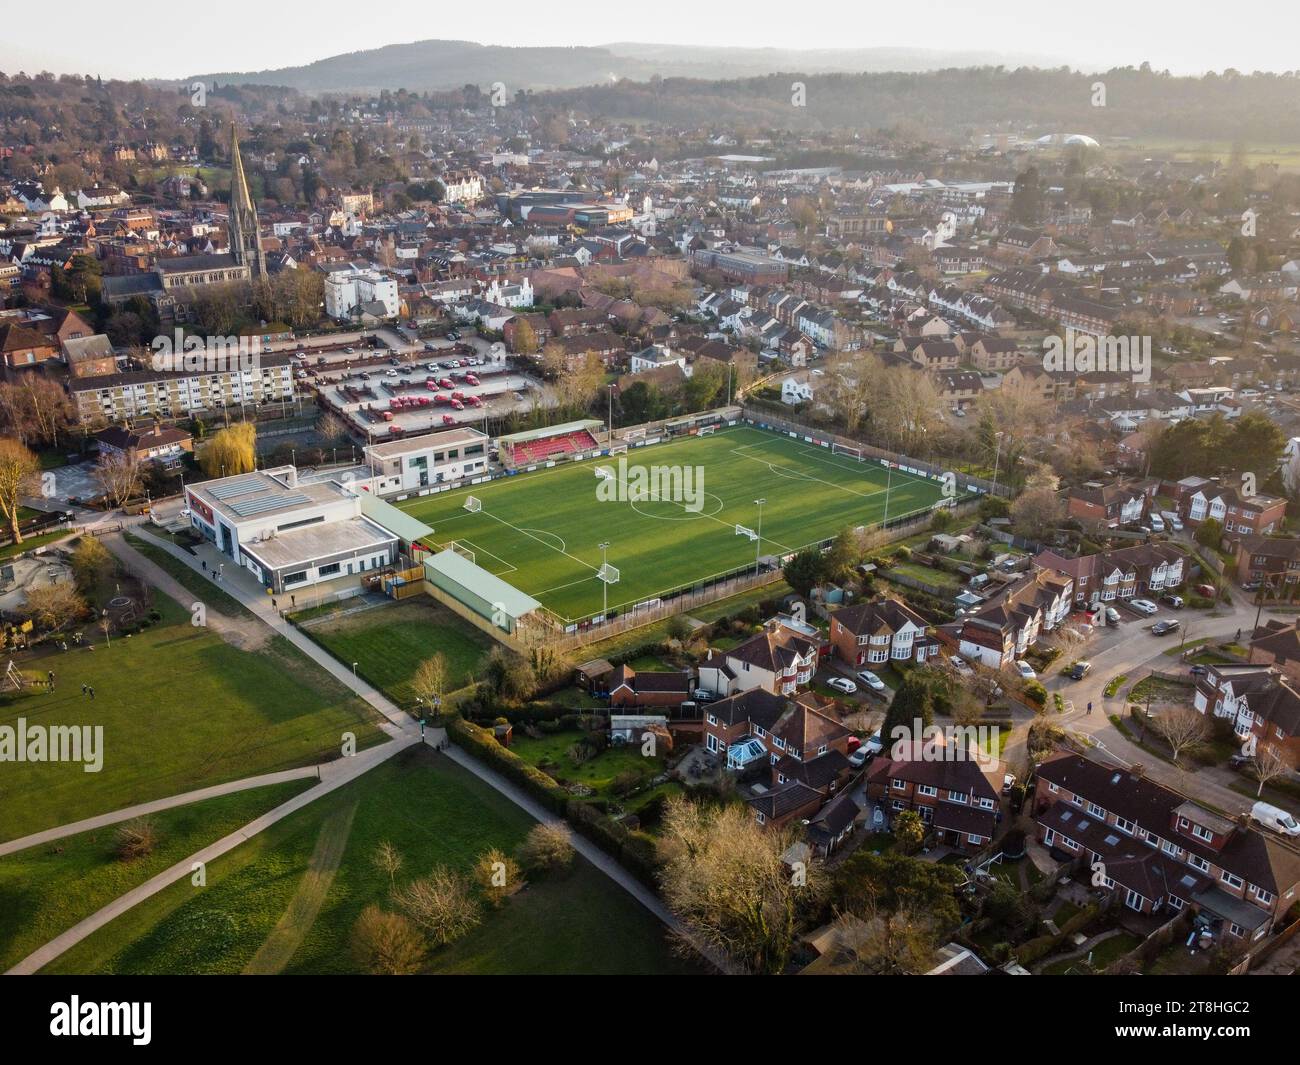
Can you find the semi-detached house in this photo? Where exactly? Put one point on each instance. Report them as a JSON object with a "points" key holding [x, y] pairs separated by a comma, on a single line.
{"points": [[1145, 569], [1160, 852]]}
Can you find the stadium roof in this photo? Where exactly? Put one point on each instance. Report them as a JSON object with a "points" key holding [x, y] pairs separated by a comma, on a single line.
{"points": [[551, 430], [397, 522], [480, 582]]}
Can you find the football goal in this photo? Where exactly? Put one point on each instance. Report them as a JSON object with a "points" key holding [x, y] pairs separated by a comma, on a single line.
{"points": [[461, 549], [608, 574], [850, 452], [707, 430], [745, 530], [473, 504]]}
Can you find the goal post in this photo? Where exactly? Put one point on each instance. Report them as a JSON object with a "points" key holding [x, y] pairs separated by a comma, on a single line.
{"points": [[608, 574], [707, 430], [461, 549], [848, 452], [473, 504], [745, 530]]}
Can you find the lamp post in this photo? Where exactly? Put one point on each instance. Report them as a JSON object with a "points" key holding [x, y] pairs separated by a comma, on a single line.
{"points": [[997, 455], [604, 584], [758, 539], [609, 424]]}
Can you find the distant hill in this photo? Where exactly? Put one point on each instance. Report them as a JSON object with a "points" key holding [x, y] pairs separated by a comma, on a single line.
{"points": [[425, 66]]}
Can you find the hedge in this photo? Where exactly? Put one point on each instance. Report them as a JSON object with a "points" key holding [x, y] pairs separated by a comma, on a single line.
{"points": [[481, 742]]}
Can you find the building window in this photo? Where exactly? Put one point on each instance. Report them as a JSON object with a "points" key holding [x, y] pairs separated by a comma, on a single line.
{"points": [[1231, 879], [328, 571]]}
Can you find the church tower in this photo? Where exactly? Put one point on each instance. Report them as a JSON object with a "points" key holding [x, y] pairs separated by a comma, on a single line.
{"points": [[244, 243]]}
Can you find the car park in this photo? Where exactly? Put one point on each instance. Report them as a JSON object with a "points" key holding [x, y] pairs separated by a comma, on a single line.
{"points": [[1143, 606], [1164, 628], [842, 684]]}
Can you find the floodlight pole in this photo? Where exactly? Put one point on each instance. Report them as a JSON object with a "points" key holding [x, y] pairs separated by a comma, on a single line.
{"points": [[604, 580], [758, 539], [997, 454], [889, 482]]}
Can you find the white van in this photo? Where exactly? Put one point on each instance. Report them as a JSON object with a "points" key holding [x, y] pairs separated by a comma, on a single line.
{"points": [[1156, 522], [1172, 520], [1276, 818]]}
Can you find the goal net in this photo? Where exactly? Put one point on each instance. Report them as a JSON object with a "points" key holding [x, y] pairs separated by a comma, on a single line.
{"points": [[850, 452], [608, 574], [618, 449], [745, 530], [707, 430], [473, 504], [604, 473], [461, 549]]}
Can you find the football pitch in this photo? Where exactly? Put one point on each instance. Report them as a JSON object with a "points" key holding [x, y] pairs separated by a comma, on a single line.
{"points": [[541, 531]]}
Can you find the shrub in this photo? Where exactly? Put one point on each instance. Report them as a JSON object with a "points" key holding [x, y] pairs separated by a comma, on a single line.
{"points": [[136, 838], [387, 944], [547, 848]]}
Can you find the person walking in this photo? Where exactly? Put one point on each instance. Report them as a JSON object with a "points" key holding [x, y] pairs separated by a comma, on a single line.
{"points": [[92, 694], [50, 677], [83, 689]]}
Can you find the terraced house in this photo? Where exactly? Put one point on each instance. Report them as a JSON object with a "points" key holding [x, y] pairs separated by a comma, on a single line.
{"points": [[1160, 852], [998, 632]]}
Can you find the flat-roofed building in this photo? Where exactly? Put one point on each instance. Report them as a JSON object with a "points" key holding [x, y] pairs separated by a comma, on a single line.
{"points": [[418, 463]]}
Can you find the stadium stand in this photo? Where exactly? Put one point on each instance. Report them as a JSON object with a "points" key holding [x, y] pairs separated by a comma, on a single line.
{"points": [[544, 445]]}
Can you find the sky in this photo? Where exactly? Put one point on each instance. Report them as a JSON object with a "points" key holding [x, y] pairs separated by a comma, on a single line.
{"points": [[1184, 36]]}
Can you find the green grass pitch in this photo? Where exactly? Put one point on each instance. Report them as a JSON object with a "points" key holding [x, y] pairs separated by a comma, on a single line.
{"points": [[541, 531]]}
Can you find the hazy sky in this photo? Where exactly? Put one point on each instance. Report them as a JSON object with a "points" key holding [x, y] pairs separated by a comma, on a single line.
{"points": [[1188, 36]]}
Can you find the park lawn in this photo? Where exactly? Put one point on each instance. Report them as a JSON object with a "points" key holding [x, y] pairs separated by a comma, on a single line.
{"points": [[541, 531], [204, 588], [389, 642], [47, 889], [550, 754], [180, 709], [29, 542], [434, 812]]}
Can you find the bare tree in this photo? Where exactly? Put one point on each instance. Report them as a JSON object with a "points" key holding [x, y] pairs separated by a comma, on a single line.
{"points": [[19, 470], [442, 903], [136, 838], [1271, 761], [901, 943], [1182, 728], [388, 859], [497, 875], [52, 607], [118, 473], [547, 848], [430, 680], [387, 944]]}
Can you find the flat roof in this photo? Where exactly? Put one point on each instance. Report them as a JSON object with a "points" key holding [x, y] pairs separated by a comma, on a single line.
{"points": [[391, 449], [475, 579], [300, 546], [247, 496], [401, 524], [551, 430]]}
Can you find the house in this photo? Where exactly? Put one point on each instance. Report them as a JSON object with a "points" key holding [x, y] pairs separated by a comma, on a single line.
{"points": [[1160, 852], [630, 687], [779, 659], [1273, 560], [1126, 572], [998, 632], [1100, 505], [23, 347], [1237, 513], [954, 796], [879, 632], [1258, 701], [164, 446], [1277, 644]]}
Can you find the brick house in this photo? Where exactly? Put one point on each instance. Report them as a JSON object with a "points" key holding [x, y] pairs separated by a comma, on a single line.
{"points": [[1144, 569], [1240, 515], [1005, 626], [1159, 851], [1108, 505], [630, 687], [955, 797], [1277, 644], [779, 659], [1274, 561], [879, 632], [156, 444]]}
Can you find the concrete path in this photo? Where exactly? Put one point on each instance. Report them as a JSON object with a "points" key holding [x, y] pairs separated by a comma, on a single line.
{"points": [[145, 808], [348, 769]]}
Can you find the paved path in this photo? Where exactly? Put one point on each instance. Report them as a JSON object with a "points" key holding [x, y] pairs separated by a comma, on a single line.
{"points": [[345, 770], [145, 808]]}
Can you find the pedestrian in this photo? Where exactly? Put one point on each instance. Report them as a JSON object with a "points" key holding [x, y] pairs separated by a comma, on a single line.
{"points": [[50, 676], [204, 563], [1090, 708], [1238, 635], [83, 689], [92, 694], [273, 606]]}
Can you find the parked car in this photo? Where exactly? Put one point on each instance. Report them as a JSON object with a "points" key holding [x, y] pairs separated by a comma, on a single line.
{"points": [[860, 757], [703, 695], [1008, 782], [1175, 601], [1240, 761], [1079, 670], [1276, 818], [842, 684], [1172, 520], [1112, 616], [1164, 628], [871, 680], [1198, 670], [1026, 670], [960, 666], [1143, 606], [1156, 522], [1206, 590]]}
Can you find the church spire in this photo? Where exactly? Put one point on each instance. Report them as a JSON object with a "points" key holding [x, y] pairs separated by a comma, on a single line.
{"points": [[244, 243]]}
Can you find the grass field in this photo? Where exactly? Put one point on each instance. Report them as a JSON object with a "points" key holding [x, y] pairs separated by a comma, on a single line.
{"points": [[541, 531], [180, 709], [267, 894], [389, 642], [46, 889]]}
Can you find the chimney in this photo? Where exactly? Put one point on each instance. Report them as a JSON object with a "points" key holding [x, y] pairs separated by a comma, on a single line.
{"points": [[1138, 770]]}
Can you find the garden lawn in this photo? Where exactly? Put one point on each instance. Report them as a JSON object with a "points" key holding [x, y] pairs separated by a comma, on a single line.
{"points": [[550, 754], [204, 589], [47, 889], [389, 642], [434, 812], [180, 709]]}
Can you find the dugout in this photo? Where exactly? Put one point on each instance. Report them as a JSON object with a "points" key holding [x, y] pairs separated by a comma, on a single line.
{"points": [[502, 605]]}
